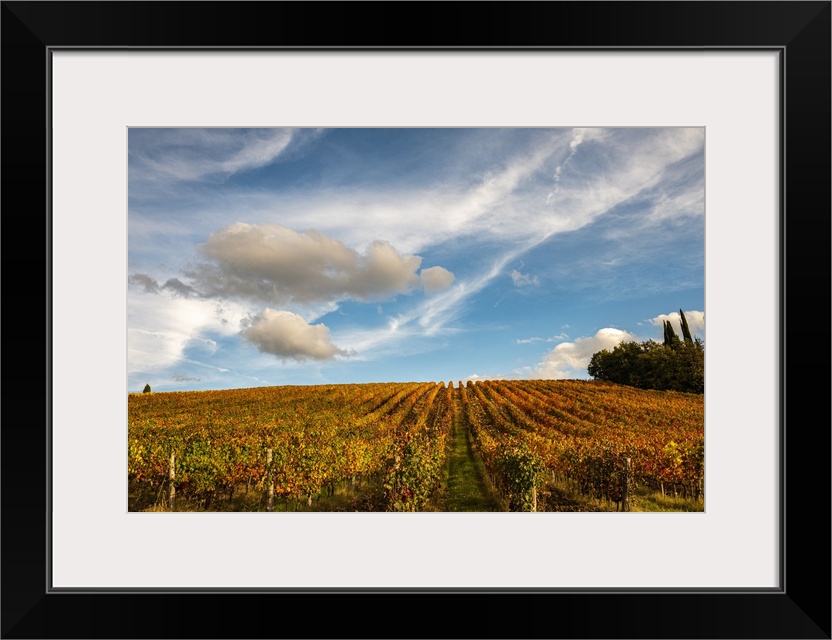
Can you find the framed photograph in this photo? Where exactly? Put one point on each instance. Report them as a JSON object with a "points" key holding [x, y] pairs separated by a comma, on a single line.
{"points": [[544, 152]]}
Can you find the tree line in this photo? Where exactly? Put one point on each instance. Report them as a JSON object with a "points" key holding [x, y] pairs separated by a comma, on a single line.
{"points": [[675, 364]]}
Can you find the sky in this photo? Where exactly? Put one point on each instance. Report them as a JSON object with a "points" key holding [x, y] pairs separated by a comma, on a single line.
{"points": [[264, 257]]}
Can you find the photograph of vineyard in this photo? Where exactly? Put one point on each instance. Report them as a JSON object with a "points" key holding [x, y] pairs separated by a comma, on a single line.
{"points": [[416, 320]]}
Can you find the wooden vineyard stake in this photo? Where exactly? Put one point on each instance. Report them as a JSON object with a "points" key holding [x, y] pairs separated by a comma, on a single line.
{"points": [[625, 486], [269, 482], [171, 479]]}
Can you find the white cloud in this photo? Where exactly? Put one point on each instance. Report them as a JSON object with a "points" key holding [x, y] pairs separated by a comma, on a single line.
{"points": [[474, 377], [508, 203], [577, 138], [696, 322], [618, 168], [277, 265], [570, 359], [689, 202], [144, 281], [287, 335], [149, 350], [161, 326], [196, 154], [433, 315], [561, 336], [411, 217], [428, 318], [523, 280], [436, 279], [274, 266]]}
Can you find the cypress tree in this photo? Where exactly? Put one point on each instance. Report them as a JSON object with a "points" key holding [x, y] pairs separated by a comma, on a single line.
{"points": [[685, 330], [670, 337]]}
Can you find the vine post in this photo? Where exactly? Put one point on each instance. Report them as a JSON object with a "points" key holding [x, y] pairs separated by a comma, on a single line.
{"points": [[269, 482], [625, 486], [171, 482]]}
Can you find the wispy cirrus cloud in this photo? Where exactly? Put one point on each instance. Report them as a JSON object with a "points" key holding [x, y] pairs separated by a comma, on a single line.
{"points": [[432, 232], [194, 154], [557, 338], [578, 135], [508, 201], [276, 265]]}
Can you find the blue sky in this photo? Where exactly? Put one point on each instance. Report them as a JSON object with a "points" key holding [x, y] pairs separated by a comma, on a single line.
{"points": [[261, 257]]}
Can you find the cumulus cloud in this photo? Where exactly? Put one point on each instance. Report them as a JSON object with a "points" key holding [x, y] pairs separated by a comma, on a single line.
{"points": [[523, 280], [179, 287], [287, 335], [696, 321], [433, 315], [143, 282], [274, 264], [474, 377], [435, 279], [570, 359], [149, 284], [270, 265]]}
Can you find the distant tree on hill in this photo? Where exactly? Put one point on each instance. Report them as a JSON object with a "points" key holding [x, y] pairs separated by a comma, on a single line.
{"points": [[674, 364]]}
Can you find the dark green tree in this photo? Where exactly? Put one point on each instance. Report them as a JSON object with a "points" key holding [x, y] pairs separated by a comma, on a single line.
{"points": [[656, 366], [672, 365], [691, 365], [621, 365], [685, 330], [671, 339], [146, 388]]}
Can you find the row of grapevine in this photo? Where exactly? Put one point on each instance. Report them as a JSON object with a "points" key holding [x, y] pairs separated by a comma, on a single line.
{"points": [[298, 444], [509, 455], [290, 442], [416, 459], [602, 437]]}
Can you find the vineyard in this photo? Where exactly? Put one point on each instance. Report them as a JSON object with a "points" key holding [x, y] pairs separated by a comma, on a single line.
{"points": [[384, 446]]}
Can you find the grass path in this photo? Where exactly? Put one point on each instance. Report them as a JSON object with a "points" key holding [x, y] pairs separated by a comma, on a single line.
{"points": [[468, 489]]}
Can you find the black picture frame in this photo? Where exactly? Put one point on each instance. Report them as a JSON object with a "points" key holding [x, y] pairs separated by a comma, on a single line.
{"points": [[799, 31]]}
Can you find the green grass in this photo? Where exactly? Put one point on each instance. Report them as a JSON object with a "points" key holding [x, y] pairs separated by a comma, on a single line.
{"points": [[468, 488], [645, 499]]}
